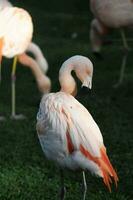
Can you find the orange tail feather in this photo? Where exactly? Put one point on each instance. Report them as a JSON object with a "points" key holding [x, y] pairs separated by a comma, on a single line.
{"points": [[104, 164], [107, 168]]}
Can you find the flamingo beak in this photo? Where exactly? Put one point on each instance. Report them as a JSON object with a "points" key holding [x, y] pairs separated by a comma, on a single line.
{"points": [[86, 86], [87, 82]]}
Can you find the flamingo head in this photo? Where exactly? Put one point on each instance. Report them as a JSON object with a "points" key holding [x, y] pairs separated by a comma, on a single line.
{"points": [[84, 71]]}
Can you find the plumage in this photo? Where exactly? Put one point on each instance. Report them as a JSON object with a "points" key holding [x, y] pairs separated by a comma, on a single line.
{"points": [[16, 31], [4, 4], [113, 13], [32, 47], [68, 134]]}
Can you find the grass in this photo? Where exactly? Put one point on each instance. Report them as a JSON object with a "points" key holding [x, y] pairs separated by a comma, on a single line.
{"points": [[24, 171]]}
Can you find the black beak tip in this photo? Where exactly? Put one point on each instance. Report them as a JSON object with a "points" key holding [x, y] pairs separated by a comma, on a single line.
{"points": [[83, 91]]}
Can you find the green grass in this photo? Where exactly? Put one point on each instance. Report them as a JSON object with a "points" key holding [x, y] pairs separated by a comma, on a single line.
{"points": [[24, 172]]}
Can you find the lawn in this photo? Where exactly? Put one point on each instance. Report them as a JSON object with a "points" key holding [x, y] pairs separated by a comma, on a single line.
{"points": [[25, 174]]}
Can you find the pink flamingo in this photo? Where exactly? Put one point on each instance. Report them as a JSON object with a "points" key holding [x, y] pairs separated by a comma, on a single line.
{"points": [[15, 36], [14, 41], [68, 134], [32, 47], [110, 14]]}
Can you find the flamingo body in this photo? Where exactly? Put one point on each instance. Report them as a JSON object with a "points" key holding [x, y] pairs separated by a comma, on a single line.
{"points": [[61, 117], [33, 48], [113, 13], [70, 137], [16, 31]]}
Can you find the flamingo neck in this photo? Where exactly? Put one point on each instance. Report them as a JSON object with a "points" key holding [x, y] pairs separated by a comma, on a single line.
{"points": [[67, 82], [33, 48], [42, 80]]}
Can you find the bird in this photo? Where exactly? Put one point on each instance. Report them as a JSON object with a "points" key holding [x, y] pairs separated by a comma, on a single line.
{"points": [[32, 47], [110, 14], [68, 134], [15, 36]]}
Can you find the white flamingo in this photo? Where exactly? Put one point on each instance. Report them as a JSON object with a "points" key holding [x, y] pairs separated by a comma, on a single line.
{"points": [[15, 42], [32, 47], [68, 134], [114, 14], [15, 35]]}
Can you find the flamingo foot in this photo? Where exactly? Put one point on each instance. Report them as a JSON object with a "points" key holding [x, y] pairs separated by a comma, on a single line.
{"points": [[84, 186], [18, 117], [2, 118]]}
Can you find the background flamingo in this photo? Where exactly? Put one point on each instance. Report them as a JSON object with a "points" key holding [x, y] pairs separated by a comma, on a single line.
{"points": [[15, 36], [67, 132], [115, 14], [32, 47]]}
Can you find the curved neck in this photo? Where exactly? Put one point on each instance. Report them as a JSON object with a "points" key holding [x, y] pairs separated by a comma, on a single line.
{"points": [[41, 79], [36, 51], [26, 60], [67, 82]]}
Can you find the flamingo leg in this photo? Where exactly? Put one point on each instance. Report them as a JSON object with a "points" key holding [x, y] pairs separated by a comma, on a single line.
{"points": [[85, 185], [122, 71], [63, 189], [2, 118], [13, 88], [1, 46], [126, 47], [124, 60]]}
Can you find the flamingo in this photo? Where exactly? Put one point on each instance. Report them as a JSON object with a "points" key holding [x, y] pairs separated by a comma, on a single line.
{"points": [[15, 36], [111, 14], [68, 134], [32, 47]]}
